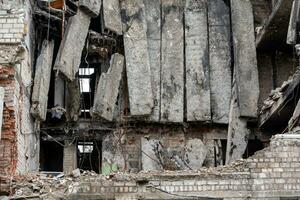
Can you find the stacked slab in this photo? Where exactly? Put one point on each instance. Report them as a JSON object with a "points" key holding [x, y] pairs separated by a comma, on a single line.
{"points": [[42, 81]]}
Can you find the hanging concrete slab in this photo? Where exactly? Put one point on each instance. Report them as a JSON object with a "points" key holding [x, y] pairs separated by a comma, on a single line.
{"points": [[108, 89], [197, 61], [219, 59], [238, 133], [70, 51], [2, 92], [73, 106], [59, 92], [137, 58], [111, 19], [245, 57], [42, 81], [172, 66], [153, 17], [91, 7]]}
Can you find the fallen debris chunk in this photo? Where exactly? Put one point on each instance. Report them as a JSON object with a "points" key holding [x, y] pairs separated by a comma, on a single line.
{"points": [[76, 173], [42, 81], [108, 89]]}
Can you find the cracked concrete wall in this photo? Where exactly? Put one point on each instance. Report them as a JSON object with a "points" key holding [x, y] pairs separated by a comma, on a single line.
{"points": [[160, 148]]}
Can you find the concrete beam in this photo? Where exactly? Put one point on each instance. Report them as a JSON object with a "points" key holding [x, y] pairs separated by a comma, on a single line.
{"points": [[245, 57], [219, 59], [197, 61], [153, 18], [90, 7], [69, 54], [112, 16], [172, 63], [137, 58], [108, 89], [2, 93], [42, 81]]}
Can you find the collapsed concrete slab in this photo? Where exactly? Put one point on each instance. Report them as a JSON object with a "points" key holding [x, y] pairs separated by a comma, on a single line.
{"points": [[153, 17], [197, 61], [245, 57], [59, 92], [42, 81], [70, 50], [172, 63], [91, 7], [2, 92], [108, 89], [73, 104], [137, 58], [111, 19], [219, 59], [238, 133]]}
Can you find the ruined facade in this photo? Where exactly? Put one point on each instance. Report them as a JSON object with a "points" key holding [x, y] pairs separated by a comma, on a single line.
{"points": [[149, 87]]}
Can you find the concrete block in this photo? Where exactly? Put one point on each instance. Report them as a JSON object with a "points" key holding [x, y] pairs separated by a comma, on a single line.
{"points": [[70, 51], [2, 92], [42, 81], [112, 16], [172, 62], [108, 89], [220, 60], [197, 61], [90, 7], [153, 18], [245, 57], [137, 58]]}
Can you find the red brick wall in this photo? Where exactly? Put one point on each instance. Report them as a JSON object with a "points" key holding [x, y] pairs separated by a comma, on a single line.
{"points": [[8, 142]]}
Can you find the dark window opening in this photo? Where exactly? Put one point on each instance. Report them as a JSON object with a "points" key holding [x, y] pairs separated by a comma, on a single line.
{"points": [[252, 147], [89, 155], [51, 156]]}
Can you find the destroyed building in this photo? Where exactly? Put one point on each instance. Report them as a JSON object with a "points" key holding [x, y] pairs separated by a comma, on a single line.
{"points": [[150, 99]]}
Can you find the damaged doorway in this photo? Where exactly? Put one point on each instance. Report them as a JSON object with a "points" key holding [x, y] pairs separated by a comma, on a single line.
{"points": [[51, 156], [89, 155]]}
